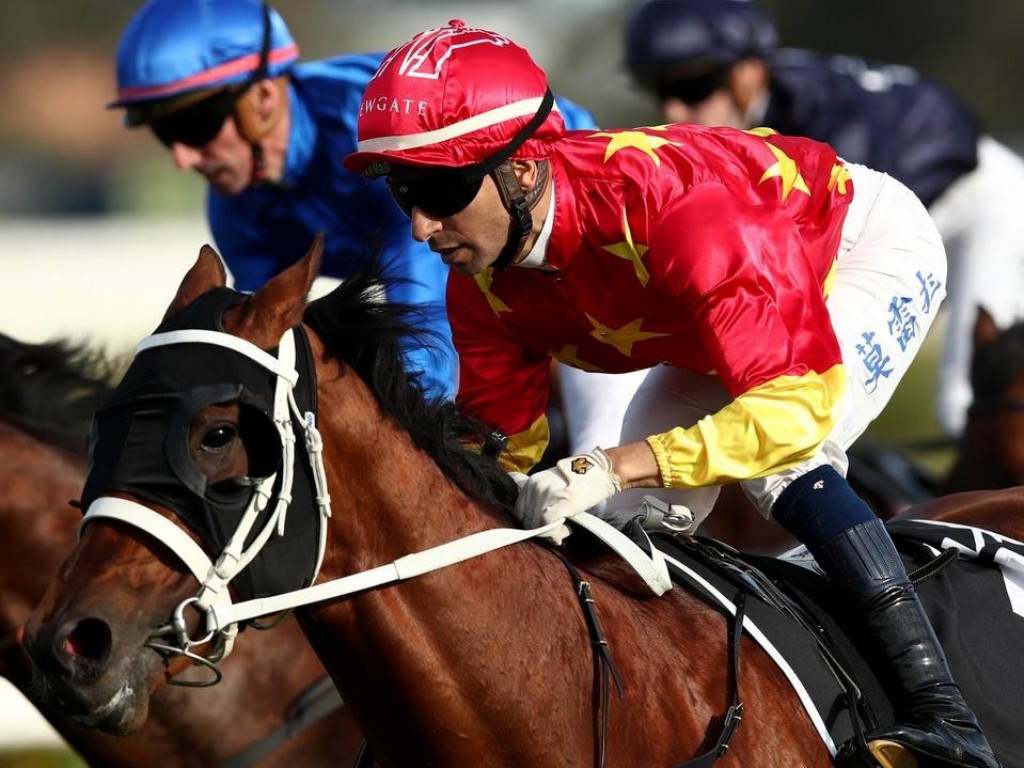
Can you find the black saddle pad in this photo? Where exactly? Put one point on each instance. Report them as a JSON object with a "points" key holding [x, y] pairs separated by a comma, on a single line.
{"points": [[971, 603]]}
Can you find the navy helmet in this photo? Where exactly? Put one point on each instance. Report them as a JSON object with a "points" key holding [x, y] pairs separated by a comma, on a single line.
{"points": [[175, 51], [672, 34]]}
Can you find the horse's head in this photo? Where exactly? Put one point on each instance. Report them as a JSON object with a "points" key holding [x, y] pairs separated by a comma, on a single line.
{"points": [[990, 452], [185, 466]]}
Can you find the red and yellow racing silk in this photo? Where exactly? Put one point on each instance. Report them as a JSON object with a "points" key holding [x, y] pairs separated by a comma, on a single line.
{"points": [[707, 249]]}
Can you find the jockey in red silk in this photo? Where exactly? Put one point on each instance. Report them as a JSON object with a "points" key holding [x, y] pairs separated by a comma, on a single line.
{"points": [[220, 84], [778, 293], [716, 62]]}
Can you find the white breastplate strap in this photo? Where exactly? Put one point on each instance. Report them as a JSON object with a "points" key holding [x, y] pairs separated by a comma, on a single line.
{"points": [[654, 572]]}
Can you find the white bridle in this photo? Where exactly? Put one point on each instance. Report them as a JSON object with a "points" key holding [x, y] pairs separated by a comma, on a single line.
{"points": [[214, 599]]}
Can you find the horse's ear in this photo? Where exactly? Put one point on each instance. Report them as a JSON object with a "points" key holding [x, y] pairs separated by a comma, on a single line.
{"points": [[208, 272], [985, 329], [279, 304]]}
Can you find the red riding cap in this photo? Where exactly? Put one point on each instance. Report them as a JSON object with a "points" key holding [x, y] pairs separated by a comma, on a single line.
{"points": [[454, 97]]}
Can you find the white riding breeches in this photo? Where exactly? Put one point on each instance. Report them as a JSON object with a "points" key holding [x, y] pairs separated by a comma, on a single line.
{"points": [[982, 226], [889, 282]]}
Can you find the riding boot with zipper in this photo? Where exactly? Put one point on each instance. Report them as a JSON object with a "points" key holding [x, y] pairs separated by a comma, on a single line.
{"points": [[938, 727]]}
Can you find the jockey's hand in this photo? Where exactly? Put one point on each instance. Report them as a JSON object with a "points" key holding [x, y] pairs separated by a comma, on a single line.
{"points": [[573, 485]]}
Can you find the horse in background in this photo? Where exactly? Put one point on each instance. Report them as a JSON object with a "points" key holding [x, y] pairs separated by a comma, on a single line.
{"points": [[48, 393], [990, 452]]}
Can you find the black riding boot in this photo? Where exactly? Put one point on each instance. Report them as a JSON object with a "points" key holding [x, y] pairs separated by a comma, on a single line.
{"points": [[940, 727]]}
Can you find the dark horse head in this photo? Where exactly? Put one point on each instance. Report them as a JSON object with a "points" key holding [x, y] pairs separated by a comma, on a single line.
{"points": [[990, 453]]}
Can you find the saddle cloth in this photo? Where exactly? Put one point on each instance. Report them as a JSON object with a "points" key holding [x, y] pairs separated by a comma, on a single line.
{"points": [[976, 605]]}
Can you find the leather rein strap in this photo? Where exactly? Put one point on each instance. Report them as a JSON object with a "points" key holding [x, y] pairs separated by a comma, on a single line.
{"points": [[311, 706], [734, 713]]}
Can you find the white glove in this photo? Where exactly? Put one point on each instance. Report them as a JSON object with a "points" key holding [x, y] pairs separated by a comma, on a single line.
{"points": [[572, 486]]}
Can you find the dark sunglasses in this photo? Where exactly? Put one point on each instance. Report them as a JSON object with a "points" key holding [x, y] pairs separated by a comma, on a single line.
{"points": [[438, 192], [692, 90], [199, 123]]}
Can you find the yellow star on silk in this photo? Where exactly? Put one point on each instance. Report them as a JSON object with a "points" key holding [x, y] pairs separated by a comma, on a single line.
{"points": [[786, 170], [483, 280], [636, 139], [630, 251], [569, 354], [838, 178], [762, 131], [622, 338]]}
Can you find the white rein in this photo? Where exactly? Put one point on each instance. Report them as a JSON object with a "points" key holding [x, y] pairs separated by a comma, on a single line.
{"points": [[213, 598]]}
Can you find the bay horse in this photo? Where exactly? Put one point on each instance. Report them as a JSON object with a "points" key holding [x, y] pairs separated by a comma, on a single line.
{"points": [[48, 393], [494, 660], [990, 451]]}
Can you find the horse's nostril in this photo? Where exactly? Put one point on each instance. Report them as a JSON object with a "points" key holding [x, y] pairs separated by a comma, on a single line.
{"points": [[88, 641]]}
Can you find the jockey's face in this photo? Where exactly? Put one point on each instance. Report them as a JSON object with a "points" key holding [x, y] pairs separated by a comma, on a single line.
{"points": [[225, 161], [717, 109], [728, 99], [471, 239]]}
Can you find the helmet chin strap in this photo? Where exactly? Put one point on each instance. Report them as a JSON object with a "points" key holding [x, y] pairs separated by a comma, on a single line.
{"points": [[521, 222]]}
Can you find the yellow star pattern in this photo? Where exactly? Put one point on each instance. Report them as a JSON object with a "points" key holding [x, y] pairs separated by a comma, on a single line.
{"points": [[762, 131], [635, 139], [483, 280], [622, 338], [838, 178], [630, 251], [569, 355], [786, 170]]}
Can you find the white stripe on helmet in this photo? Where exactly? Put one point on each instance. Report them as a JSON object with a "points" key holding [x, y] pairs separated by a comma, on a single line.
{"points": [[453, 131]]}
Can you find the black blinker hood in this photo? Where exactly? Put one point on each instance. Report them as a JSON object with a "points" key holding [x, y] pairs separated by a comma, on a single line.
{"points": [[139, 445]]}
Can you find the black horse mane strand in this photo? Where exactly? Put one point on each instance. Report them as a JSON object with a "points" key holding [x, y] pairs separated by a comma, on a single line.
{"points": [[50, 390], [360, 328]]}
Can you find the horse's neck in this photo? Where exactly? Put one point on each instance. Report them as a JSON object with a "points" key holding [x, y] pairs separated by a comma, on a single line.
{"points": [[979, 464], [396, 498], [407, 656]]}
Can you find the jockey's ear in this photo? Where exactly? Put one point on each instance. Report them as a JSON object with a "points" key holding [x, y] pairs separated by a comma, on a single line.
{"points": [[279, 305], [261, 108], [208, 272]]}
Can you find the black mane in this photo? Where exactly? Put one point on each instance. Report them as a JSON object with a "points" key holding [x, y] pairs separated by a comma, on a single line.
{"points": [[52, 389], [367, 333]]}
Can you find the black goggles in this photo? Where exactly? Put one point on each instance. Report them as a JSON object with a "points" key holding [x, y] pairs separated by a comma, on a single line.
{"points": [[692, 90], [438, 192], [199, 123]]}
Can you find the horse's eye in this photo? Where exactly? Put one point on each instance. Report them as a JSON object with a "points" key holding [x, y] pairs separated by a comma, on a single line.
{"points": [[218, 437]]}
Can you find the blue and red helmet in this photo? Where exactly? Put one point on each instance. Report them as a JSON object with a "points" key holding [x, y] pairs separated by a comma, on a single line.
{"points": [[175, 50], [669, 34]]}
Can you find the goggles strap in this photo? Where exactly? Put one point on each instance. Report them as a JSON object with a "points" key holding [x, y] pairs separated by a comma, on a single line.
{"points": [[503, 155], [259, 167]]}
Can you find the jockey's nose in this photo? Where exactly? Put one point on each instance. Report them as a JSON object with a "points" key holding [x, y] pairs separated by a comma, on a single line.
{"points": [[184, 156], [423, 226]]}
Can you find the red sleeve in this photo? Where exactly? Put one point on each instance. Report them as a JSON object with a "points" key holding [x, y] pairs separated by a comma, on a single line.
{"points": [[500, 381]]}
